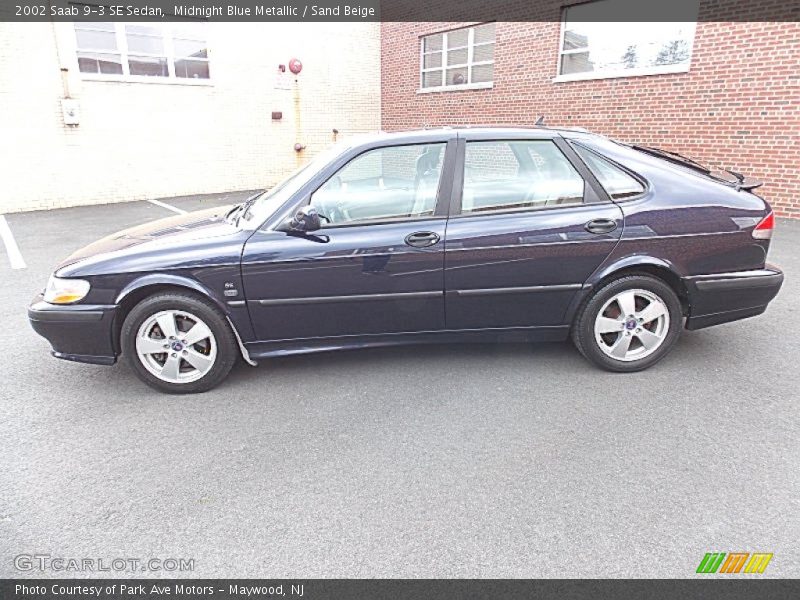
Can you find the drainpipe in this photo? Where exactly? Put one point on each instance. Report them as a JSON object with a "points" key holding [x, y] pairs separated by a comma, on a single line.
{"points": [[62, 65], [295, 66], [298, 126], [70, 108]]}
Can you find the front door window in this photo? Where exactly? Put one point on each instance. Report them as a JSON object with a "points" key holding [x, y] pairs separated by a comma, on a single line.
{"points": [[396, 182]]}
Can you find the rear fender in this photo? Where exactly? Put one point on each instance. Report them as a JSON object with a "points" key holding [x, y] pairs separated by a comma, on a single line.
{"points": [[618, 266]]}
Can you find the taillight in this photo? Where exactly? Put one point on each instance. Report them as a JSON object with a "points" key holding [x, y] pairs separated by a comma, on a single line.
{"points": [[763, 231]]}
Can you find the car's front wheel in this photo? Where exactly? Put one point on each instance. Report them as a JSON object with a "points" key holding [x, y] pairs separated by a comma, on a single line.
{"points": [[178, 343], [629, 324]]}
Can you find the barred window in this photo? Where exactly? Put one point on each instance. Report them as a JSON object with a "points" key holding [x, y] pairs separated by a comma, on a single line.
{"points": [[461, 58], [176, 51]]}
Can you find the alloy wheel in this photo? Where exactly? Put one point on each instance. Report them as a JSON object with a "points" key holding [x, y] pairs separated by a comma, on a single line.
{"points": [[176, 346], [632, 325]]}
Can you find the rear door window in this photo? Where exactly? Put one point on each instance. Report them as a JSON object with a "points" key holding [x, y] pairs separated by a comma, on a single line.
{"points": [[518, 175]]}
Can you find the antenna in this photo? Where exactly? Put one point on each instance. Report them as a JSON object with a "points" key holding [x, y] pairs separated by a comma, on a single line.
{"points": [[540, 121]]}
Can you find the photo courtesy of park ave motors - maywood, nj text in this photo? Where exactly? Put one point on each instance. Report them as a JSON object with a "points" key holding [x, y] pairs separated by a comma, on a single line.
{"points": [[488, 299]]}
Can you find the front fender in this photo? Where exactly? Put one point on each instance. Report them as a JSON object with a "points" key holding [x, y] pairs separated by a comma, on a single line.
{"points": [[235, 311], [156, 279]]}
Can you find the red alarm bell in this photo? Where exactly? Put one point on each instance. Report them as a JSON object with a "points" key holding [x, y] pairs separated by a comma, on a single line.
{"points": [[295, 66]]}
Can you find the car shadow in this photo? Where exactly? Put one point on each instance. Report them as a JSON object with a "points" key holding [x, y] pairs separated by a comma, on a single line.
{"points": [[412, 365], [430, 355]]}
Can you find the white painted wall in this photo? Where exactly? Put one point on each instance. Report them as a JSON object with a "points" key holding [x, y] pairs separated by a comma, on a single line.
{"points": [[152, 140]]}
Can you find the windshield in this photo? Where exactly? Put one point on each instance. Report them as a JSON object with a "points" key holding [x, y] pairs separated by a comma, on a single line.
{"points": [[265, 205]]}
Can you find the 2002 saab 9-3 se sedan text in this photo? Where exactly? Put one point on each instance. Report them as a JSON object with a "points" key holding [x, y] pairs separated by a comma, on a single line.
{"points": [[440, 235]]}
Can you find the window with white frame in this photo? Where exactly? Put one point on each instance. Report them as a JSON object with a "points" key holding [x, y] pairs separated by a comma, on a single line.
{"points": [[178, 51], [591, 48], [458, 58]]}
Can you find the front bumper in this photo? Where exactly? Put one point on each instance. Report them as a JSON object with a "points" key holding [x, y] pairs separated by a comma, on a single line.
{"points": [[77, 332], [724, 297]]}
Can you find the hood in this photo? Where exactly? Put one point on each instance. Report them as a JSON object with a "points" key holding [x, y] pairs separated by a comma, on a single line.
{"points": [[188, 234]]}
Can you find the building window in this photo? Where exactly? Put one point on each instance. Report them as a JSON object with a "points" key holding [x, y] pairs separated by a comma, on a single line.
{"points": [[459, 59], [593, 49], [142, 51]]}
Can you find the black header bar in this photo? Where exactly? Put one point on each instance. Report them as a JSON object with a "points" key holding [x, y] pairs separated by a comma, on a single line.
{"points": [[734, 588], [461, 11]]}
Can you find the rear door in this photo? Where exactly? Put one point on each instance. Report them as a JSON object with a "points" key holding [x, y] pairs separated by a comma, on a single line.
{"points": [[528, 226]]}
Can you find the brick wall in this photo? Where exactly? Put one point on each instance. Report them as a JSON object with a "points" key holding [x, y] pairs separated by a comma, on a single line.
{"points": [[738, 107], [151, 140]]}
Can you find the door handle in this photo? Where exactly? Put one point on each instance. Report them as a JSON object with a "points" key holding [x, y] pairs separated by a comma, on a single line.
{"points": [[422, 239], [601, 226]]}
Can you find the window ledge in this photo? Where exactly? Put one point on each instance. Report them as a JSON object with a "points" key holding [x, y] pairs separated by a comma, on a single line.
{"points": [[683, 68], [485, 85], [143, 79]]}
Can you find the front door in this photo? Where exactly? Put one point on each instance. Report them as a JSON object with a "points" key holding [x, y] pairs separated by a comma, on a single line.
{"points": [[375, 267], [528, 232]]}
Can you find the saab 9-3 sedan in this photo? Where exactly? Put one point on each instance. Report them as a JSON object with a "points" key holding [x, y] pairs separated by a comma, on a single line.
{"points": [[443, 235]]}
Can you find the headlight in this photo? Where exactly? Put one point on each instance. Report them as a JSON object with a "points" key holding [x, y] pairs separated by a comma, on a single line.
{"points": [[65, 291]]}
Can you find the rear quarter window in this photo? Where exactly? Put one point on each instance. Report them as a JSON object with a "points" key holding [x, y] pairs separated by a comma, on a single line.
{"points": [[617, 183]]}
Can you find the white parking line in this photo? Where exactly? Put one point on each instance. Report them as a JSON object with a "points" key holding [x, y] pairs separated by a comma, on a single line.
{"points": [[168, 206], [14, 255]]}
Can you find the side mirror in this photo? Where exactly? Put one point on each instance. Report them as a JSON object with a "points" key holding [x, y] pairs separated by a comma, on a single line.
{"points": [[305, 220]]}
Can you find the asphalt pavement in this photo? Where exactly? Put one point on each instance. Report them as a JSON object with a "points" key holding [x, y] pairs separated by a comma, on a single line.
{"points": [[433, 461]]}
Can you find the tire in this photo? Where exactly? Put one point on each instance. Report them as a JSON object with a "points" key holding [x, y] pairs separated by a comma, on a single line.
{"points": [[158, 343], [606, 323]]}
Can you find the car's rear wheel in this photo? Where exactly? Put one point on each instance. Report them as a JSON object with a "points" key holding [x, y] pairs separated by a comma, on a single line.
{"points": [[629, 324], [178, 343]]}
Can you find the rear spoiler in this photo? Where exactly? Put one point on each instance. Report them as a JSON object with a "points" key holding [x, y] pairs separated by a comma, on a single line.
{"points": [[744, 183]]}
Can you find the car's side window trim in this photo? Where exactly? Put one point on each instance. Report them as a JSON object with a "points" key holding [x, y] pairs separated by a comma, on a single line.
{"points": [[511, 211], [440, 208], [594, 193], [386, 221], [303, 196], [443, 192], [623, 168], [457, 191], [600, 194]]}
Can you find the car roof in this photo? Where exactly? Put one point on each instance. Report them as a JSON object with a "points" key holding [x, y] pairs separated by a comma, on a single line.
{"points": [[467, 130]]}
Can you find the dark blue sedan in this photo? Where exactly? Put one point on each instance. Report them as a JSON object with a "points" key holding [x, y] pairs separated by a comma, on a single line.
{"points": [[426, 236]]}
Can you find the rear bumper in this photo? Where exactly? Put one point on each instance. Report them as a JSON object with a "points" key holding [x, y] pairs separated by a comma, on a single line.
{"points": [[724, 297], [78, 332]]}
